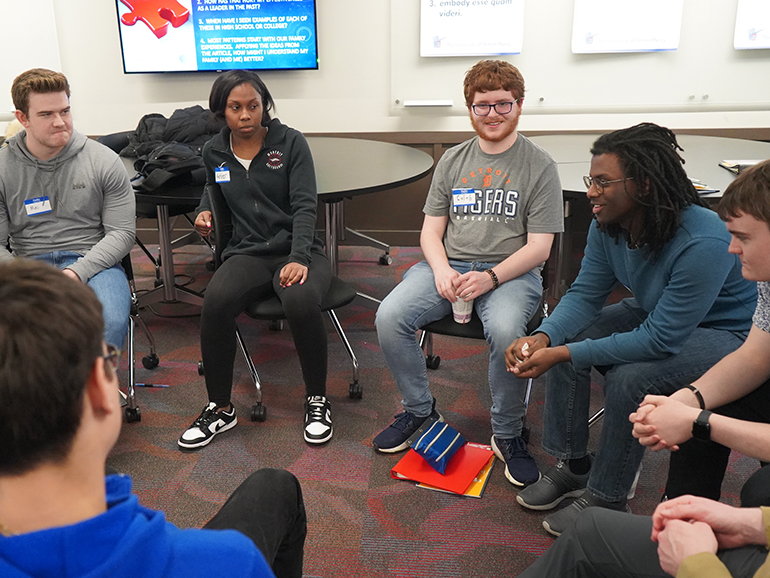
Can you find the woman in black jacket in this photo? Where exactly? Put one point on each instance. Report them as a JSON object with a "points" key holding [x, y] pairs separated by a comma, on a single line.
{"points": [[266, 175]]}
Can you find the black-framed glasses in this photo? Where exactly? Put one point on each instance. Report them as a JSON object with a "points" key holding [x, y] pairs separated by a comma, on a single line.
{"points": [[112, 356], [601, 183], [500, 108]]}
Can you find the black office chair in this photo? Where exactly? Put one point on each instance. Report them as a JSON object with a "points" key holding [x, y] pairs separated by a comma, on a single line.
{"points": [[271, 309], [149, 361], [475, 330]]}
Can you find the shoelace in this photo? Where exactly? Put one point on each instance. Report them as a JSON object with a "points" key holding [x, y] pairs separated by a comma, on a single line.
{"points": [[315, 409], [403, 420], [207, 417]]}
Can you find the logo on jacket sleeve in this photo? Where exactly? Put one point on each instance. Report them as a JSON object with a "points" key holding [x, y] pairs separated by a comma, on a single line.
{"points": [[274, 160]]}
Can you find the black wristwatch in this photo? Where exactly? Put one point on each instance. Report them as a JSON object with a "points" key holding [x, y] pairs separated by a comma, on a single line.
{"points": [[701, 430]]}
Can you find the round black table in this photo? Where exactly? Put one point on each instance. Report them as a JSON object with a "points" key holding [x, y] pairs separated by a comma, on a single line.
{"points": [[347, 167]]}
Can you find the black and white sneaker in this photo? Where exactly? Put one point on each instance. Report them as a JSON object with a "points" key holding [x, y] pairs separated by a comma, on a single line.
{"points": [[209, 423], [318, 420]]}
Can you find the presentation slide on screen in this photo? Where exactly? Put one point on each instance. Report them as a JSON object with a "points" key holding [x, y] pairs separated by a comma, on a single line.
{"points": [[628, 26], [217, 34], [752, 25], [471, 27]]}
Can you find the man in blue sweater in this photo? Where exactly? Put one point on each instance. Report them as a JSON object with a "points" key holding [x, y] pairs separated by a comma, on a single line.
{"points": [[60, 417], [691, 307]]}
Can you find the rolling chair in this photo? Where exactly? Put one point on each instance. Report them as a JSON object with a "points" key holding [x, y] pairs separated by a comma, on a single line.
{"points": [[271, 309], [475, 330], [150, 361]]}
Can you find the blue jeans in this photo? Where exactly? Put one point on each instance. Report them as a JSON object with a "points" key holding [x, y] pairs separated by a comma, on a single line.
{"points": [[110, 286], [504, 313], [568, 392]]}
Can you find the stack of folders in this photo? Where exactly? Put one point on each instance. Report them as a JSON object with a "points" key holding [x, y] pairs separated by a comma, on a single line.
{"points": [[466, 474]]}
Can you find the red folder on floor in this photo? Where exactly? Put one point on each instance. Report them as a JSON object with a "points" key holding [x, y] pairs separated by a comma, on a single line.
{"points": [[465, 465]]}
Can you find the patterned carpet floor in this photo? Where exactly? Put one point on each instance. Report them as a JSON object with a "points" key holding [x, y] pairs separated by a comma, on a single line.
{"points": [[362, 523]]}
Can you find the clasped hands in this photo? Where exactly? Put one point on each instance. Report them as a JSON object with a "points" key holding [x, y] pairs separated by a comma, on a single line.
{"points": [[664, 422], [532, 356], [453, 286]]}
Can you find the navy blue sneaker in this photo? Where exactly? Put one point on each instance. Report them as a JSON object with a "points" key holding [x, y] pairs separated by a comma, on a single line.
{"points": [[394, 437], [520, 467]]}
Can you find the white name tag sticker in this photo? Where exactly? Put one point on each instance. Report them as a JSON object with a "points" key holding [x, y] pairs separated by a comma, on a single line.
{"points": [[463, 197], [221, 174], [37, 206]]}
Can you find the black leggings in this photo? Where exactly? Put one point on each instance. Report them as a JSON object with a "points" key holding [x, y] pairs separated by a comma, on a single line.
{"points": [[239, 281]]}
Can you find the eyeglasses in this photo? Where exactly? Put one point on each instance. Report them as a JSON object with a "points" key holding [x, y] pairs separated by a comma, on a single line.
{"points": [[112, 356], [601, 183], [500, 108]]}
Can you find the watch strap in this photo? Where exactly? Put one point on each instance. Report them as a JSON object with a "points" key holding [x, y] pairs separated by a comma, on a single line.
{"points": [[701, 429]]}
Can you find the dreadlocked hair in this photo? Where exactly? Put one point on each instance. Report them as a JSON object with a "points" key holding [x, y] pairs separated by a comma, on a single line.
{"points": [[648, 153]]}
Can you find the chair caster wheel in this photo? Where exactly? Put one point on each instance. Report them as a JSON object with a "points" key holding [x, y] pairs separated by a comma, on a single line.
{"points": [[210, 265], [356, 391], [276, 325], [432, 361], [385, 259], [200, 368], [258, 412], [150, 361], [132, 415], [157, 283]]}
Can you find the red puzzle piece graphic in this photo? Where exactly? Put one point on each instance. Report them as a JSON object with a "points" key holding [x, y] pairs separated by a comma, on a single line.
{"points": [[156, 14]]}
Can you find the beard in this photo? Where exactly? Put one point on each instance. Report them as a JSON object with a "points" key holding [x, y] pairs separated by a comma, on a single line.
{"points": [[506, 129]]}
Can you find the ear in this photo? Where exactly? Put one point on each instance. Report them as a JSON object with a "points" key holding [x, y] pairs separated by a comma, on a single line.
{"points": [[102, 389], [22, 118]]}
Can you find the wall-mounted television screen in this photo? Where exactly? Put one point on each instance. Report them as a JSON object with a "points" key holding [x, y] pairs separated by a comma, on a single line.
{"points": [[192, 35]]}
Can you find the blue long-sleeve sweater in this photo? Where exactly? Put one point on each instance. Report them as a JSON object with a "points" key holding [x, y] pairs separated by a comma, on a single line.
{"points": [[693, 282]]}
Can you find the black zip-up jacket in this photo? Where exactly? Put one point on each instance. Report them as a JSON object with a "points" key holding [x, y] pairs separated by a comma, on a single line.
{"points": [[274, 203]]}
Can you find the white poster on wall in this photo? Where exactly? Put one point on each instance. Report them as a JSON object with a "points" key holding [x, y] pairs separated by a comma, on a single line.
{"points": [[626, 25], [752, 25], [471, 27]]}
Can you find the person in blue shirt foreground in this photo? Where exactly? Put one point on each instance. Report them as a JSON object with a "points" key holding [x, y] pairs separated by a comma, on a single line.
{"points": [[59, 419], [690, 308], [692, 536]]}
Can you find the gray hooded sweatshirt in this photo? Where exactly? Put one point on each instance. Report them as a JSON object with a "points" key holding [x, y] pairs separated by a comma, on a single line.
{"points": [[92, 204]]}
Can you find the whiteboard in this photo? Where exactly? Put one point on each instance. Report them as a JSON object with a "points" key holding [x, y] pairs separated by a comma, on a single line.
{"points": [[29, 41], [706, 73]]}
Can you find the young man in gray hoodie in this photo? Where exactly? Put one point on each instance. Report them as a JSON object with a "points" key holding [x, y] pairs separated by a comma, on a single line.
{"points": [[66, 199]]}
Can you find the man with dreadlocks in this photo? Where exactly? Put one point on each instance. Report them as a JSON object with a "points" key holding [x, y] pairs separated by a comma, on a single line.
{"points": [[691, 307]]}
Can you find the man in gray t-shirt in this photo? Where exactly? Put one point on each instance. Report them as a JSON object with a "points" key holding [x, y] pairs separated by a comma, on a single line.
{"points": [[493, 208]]}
